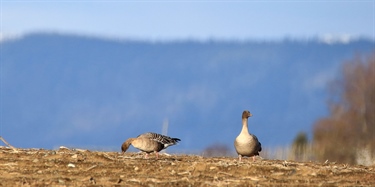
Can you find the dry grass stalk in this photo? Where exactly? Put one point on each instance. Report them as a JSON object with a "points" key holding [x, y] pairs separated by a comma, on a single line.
{"points": [[6, 143]]}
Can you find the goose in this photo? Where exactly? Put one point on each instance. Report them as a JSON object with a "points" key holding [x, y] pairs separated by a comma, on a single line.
{"points": [[150, 142], [247, 144]]}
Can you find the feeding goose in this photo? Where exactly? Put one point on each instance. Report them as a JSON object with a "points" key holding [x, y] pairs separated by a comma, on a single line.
{"points": [[247, 144], [150, 142]]}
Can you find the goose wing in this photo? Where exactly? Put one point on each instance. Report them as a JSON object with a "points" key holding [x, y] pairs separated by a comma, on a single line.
{"points": [[258, 147], [162, 139]]}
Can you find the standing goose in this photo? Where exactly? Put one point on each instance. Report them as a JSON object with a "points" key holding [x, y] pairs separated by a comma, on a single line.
{"points": [[150, 142], [247, 144]]}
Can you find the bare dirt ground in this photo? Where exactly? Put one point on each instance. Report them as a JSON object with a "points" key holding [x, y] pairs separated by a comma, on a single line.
{"points": [[76, 167]]}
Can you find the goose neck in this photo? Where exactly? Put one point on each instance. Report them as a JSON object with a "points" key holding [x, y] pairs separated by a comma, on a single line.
{"points": [[244, 126]]}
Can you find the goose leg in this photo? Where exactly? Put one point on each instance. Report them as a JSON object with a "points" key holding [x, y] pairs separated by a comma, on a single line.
{"points": [[239, 158], [253, 158], [157, 154]]}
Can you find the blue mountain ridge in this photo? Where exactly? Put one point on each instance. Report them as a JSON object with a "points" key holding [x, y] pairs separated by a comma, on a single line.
{"points": [[60, 89]]}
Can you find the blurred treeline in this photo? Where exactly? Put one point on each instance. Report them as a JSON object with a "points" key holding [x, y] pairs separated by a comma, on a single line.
{"points": [[347, 134]]}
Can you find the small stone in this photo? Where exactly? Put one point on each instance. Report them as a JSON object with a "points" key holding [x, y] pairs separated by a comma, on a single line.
{"points": [[213, 168], [35, 160], [70, 165], [63, 147], [75, 156], [136, 169]]}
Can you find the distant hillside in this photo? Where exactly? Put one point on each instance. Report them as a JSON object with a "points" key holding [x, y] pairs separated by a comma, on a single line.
{"points": [[92, 92]]}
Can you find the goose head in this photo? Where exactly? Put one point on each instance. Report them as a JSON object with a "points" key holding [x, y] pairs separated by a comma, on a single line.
{"points": [[246, 114], [126, 144]]}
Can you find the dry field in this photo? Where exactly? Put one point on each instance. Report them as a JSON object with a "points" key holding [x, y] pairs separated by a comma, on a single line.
{"points": [[76, 167]]}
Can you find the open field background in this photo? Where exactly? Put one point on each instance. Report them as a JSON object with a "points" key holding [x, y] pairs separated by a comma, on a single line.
{"points": [[79, 167]]}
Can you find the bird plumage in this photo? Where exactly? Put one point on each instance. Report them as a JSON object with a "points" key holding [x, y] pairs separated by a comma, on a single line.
{"points": [[150, 142], [247, 144]]}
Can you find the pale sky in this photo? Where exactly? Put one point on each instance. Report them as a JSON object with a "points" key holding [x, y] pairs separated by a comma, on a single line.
{"points": [[202, 20]]}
